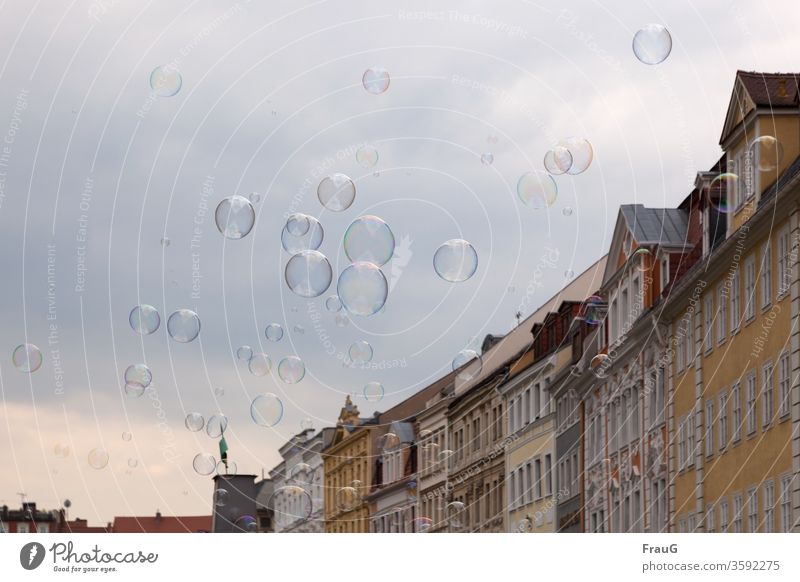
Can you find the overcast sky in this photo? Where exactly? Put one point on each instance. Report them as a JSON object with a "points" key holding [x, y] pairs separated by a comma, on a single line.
{"points": [[95, 172]]}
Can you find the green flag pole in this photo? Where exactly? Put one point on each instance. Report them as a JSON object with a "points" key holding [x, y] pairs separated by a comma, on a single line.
{"points": [[223, 451]]}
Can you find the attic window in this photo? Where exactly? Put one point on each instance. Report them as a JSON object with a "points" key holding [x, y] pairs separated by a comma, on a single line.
{"points": [[664, 271]]}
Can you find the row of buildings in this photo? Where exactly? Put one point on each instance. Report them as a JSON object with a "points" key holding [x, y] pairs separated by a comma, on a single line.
{"points": [[658, 391]]}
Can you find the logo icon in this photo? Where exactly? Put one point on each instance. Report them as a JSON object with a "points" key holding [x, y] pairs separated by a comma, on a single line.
{"points": [[31, 555]]}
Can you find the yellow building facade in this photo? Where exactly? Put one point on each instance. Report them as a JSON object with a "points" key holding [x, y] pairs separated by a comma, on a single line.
{"points": [[734, 333]]}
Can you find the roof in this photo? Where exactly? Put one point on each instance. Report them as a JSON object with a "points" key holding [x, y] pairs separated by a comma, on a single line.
{"points": [[771, 89], [403, 430], [661, 226], [162, 524]]}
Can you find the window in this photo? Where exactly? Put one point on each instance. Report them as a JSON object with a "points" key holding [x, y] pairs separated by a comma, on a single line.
{"points": [[681, 349], [767, 395], [736, 405], [710, 518], [681, 443], [735, 301], [752, 510], [709, 427], [23, 528], [723, 420], [690, 438], [769, 507], [749, 288], [528, 413], [612, 318], [751, 403], [637, 301], [786, 503], [784, 384], [689, 346], [723, 516], [664, 272], [766, 274], [737, 513], [612, 425], [721, 317], [708, 329], [548, 475], [634, 414], [659, 504], [538, 477], [529, 481], [42, 527], [624, 316]]}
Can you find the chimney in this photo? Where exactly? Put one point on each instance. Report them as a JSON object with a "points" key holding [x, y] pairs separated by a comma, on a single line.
{"points": [[158, 516], [782, 88]]}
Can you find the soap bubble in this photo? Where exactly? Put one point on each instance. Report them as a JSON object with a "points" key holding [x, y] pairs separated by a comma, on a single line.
{"points": [[721, 192], [468, 370], [27, 358], [347, 499], [455, 515], [368, 238], [373, 391], [581, 152], [235, 217], [375, 80], [204, 464], [336, 192], [244, 353], [367, 156], [216, 425], [455, 261], [333, 304], [362, 288], [290, 504], [360, 352], [221, 497], [165, 81], [310, 241], [194, 421], [134, 390], [308, 274], [144, 319], [766, 153], [567, 211], [266, 410], [599, 365], [183, 325], [298, 224], [291, 369], [652, 44], [487, 159], [138, 375], [558, 160], [274, 332], [98, 458], [537, 189]]}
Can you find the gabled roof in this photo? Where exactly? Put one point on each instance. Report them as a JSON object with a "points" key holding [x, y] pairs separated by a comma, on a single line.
{"points": [[656, 226], [752, 89], [162, 524]]}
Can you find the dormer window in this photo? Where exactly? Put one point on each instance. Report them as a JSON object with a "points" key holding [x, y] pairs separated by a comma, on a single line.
{"points": [[664, 272]]}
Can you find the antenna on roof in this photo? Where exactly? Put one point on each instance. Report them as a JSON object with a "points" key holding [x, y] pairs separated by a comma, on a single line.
{"points": [[22, 497], [518, 315]]}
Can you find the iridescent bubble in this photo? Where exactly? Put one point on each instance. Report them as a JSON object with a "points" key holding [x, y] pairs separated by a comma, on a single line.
{"points": [[309, 241], [336, 192], [333, 304], [581, 151], [98, 458], [254, 197], [306, 424], [375, 80], [290, 503], [183, 325], [593, 310], [567, 211], [569, 274], [194, 421], [308, 274], [766, 153], [274, 332], [388, 441], [221, 497], [291, 369], [347, 499], [166, 81], [368, 238], [367, 156], [525, 525], [298, 224], [61, 450], [244, 353], [360, 352], [134, 390], [266, 410], [469, 364], [126, 436], [537, 189], [652, 44], [558, 160], [235, 217], [643, 259], [27, 358], [455, 515], [373, 391], [138, 374], [455, 261], [301, 474], [204, 463], [487, 158], [341, 320], [721, 190], [216, 425], [599, 365], [133, 463], [362, 288], [144, 319], [421, 524]]}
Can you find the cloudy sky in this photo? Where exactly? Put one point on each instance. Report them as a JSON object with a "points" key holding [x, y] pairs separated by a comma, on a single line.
{"points": [[95, 171]]}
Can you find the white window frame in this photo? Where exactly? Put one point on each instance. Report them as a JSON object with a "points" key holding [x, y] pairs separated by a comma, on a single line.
{"points": [[750, 289], [784, 263], [738, 509], [723, 420], [768, 500], [786, 503], [736, 410], [722, 321], [710, 512], [691, 444], [752, 510], [784, 385], [767, 394], [735, 308], [709, 427], [766, 274], [752, 398], [723, 516], [708, 329]]}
